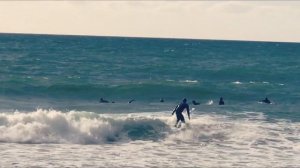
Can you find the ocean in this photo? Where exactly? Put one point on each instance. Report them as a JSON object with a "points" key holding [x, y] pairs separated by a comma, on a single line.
{"points": [[50, 114]]}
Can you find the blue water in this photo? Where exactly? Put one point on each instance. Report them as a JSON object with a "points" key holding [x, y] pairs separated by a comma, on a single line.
{"points": [[50, 88], [73, 72]]}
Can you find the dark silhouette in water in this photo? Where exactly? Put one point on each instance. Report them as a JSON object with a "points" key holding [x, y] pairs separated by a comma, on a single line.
{"points": [[131, 101], [221, 102], [195, 103], [179, 109], [162, 100], [103, 101], [266, 100]]}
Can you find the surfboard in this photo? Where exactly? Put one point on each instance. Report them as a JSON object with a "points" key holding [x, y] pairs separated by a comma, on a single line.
{"points": [[183, 126]]}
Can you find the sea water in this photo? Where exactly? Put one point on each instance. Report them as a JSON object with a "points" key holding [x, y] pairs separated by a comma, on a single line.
{"points": [[50, 115]]}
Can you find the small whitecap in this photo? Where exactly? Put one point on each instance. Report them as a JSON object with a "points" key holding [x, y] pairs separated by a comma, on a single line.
{"points": [[280, 84], [265, 82], [251, 82], [210, 102], [190, 81], [237, 82]]}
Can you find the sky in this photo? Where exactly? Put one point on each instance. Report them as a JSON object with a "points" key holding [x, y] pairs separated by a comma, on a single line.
{"points": [[227, 20]]}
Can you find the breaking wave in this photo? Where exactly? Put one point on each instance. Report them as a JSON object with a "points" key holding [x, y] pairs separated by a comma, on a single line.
{"points": [[50, 126], [247, 130]]}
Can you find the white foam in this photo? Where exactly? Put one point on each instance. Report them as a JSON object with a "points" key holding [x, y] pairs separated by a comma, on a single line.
{"points": [[210, 102], [237, 82], [207, 140], [189, 81], [50, 126]]}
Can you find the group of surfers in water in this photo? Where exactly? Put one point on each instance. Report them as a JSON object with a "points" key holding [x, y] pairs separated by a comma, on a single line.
{"points": [[185, 106]]}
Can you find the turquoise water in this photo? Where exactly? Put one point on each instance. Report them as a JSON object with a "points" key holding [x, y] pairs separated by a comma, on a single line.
{"points": [[73, 72], [50, 115]]}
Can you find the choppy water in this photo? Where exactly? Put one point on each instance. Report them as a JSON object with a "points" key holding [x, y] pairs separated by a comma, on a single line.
{"points": [[50, 115]]}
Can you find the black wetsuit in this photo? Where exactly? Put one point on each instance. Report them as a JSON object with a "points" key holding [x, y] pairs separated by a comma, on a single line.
{"points": [[103, 101], [179, 109], [266, 101], [221, 102], [195, 103]]}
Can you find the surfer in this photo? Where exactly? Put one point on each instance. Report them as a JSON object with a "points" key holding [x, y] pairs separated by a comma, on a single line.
{"points": [[162, 100], [131, 101], [195, 103], [179, 109], [266, 100], [103, 101], [221, 102]]}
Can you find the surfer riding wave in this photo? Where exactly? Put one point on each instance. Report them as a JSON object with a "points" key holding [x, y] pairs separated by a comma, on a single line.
{"points": [[179, 109]]}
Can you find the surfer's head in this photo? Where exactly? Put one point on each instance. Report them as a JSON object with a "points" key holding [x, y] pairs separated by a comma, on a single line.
{"points": [[184, 100]]}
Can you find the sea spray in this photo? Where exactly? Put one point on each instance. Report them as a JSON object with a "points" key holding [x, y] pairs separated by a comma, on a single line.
{"points": [[51, 126]]}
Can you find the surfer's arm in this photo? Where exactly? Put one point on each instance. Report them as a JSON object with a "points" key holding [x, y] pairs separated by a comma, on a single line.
{"points": [[174, 109], [188, 111]]}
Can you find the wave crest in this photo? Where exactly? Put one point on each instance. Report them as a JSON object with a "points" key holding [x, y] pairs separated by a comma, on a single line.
{"points": [[50, 126], [243, 130]]}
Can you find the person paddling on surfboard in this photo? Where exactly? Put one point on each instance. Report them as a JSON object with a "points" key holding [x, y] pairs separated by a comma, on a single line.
{"points": [[179, 109], [195, 103], [221, 102], [103, 100], [266, 100]]}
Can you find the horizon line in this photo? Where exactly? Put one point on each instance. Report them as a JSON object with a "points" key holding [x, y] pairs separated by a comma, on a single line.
{"points": [[146, 37]]}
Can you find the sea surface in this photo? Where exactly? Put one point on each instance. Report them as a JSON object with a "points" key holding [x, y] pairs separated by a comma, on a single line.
{"points": [[50, 114]]}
